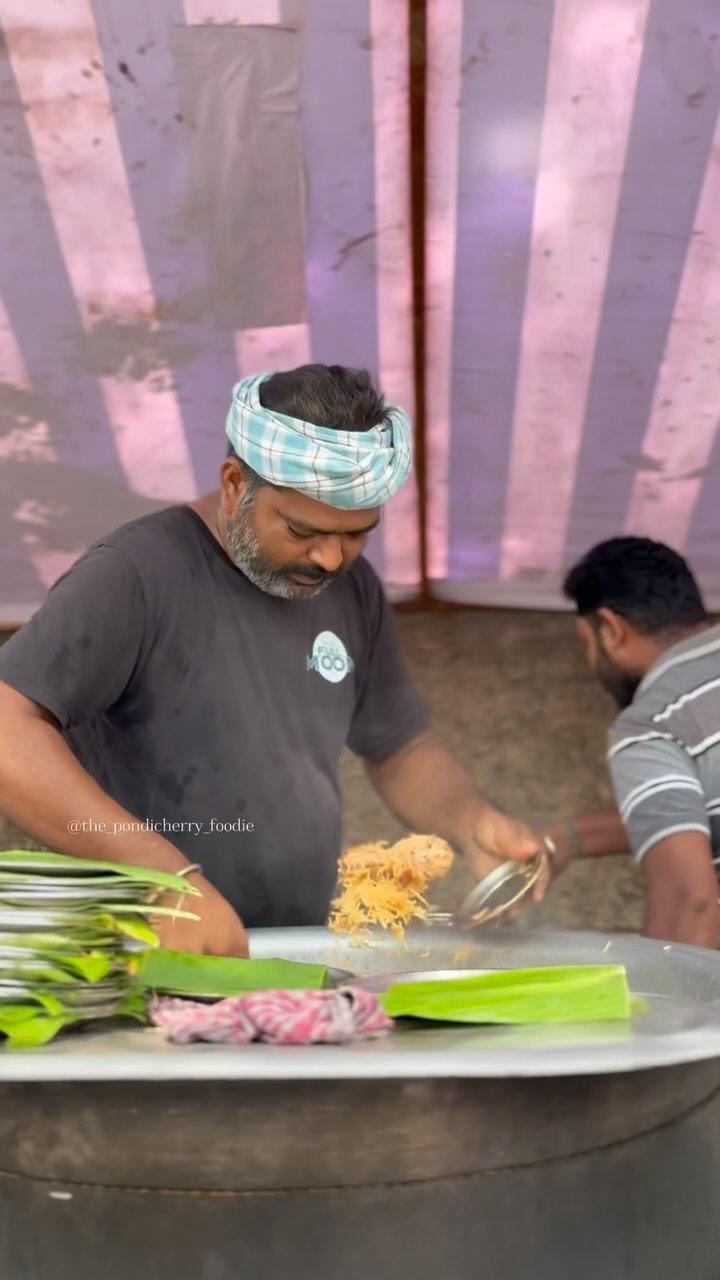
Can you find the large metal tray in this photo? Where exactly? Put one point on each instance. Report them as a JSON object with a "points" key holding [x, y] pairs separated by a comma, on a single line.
{"points": [[682, 1024]]}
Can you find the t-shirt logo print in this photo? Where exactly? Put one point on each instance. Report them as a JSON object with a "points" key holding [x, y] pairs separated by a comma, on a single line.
{"points": [[329, 658]]}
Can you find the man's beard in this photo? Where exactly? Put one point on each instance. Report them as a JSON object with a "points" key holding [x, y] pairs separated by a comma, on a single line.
{"points": [[621, 686], [243, 547]]}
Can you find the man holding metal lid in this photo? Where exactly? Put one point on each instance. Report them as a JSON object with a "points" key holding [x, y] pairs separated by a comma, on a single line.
{"points": [[184, 693], [650, 642]]}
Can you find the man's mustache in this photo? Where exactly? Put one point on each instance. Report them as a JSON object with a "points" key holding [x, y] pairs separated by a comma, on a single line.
{"points": [[312, 573]]}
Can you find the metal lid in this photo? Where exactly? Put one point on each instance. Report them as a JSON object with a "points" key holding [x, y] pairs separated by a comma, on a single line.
{"points": [[500, 890]]}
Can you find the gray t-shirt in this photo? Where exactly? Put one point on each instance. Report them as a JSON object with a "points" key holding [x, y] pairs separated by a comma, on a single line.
{"points": [[194, 698], [664, 750]]}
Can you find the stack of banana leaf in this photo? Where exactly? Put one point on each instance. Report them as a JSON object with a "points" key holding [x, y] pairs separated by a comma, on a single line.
{"points": [[70, 931]]}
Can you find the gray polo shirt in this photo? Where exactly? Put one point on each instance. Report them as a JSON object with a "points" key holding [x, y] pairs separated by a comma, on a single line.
{"points": [[215, 711], [664, 750]]}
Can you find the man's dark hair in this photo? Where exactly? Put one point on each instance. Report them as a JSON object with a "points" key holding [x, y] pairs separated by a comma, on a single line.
{"points": [[645, 582], [326, 395]]}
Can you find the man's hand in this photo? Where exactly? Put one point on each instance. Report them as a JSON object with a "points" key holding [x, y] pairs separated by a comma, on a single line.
{"points": [[218, 932], [430, 792], [496, 838]]}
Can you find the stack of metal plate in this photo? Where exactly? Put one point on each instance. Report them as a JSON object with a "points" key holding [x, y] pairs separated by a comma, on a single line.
{"points": [[66, 932]]}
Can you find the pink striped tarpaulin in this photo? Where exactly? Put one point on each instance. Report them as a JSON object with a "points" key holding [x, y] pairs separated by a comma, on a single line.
{"points": [[573, 260], [192, 190]]}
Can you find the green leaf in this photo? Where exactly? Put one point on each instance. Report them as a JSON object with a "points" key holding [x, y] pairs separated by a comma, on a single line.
{"points": [[10, 1014], [138, 930], [183, 973], [134, 1005], [111, 911], [17, 1010], [568, 993], [51, 1004], [48, 973], [93, 966], [45, 860], [35, 1032], [54, 943]]}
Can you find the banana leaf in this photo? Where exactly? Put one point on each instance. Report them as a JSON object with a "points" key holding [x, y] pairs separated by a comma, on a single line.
{"points": [[36, 1031], [91, 967], [39, 1002], [101, 919], [73, 949], [37, 1019], [79, 970], [568, 993], [134, 1005], [79, 967], [44, 860], [33, 1022], [76, 939], [132, 929], [125, 909], [185, 974]]}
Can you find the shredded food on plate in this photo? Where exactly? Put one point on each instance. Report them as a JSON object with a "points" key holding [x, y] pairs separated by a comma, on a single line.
{"points": [[385, 885]]}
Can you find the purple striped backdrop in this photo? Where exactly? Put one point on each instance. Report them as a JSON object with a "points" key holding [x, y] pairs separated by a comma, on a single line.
{"points": [[120, 338], [581, 303], [573, 245]]}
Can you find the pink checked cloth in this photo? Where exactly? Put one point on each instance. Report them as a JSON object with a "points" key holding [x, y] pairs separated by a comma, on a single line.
{"points": [[275, 1017]]}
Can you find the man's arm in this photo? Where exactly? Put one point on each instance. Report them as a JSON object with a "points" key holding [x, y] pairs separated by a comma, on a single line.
{"points": [[430, 792], [591, 835], [681, 891], [663, 808], [46, 792], [70, 662], [681, 887]]}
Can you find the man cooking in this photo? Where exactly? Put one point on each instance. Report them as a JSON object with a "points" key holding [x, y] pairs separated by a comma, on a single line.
{"points": [[650, 642], [185, 691]]}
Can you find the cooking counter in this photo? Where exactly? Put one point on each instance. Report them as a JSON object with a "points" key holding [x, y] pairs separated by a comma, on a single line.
{"points": [[682, 1024], [443, 1152]]}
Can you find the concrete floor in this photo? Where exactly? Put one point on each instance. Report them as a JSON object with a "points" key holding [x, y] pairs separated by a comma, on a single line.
{"points": [[509, 693]]}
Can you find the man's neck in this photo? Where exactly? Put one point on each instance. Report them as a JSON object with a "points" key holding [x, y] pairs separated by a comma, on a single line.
{"points": [[208, 508], [657, 646]]}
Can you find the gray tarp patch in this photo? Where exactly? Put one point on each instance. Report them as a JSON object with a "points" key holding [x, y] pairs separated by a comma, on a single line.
{"points": [[239, 91]]}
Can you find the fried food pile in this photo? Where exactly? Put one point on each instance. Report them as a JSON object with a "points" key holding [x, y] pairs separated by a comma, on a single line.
{"points": [[382, 884]]}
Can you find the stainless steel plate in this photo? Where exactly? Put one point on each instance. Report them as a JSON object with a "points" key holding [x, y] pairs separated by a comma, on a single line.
{"points": [[30, 962], [40, 920], [75, 995], [87, 1000], [682, 1023], [33, 862], [107, 1010], [383, 981], [39, 941], [21, 879], [58, 896], [681, 986], [91, 1013]]}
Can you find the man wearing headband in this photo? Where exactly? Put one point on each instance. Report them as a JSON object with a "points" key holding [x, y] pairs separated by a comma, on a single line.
{"points": [[185, 692]]}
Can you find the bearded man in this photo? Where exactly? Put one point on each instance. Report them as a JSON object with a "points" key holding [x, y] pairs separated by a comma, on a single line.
{"points": [[184, 693], [650, 642]]}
